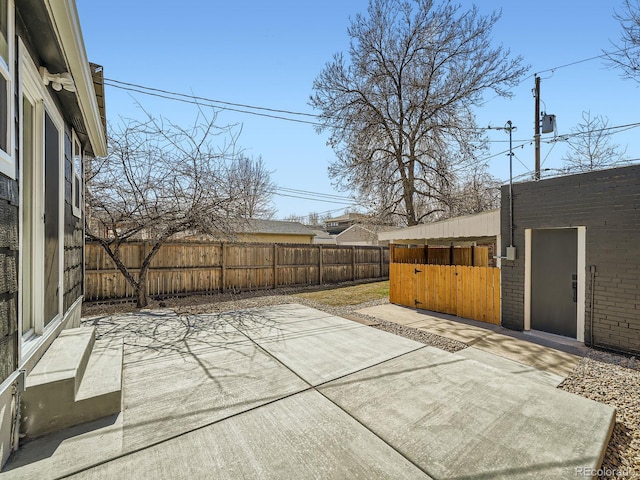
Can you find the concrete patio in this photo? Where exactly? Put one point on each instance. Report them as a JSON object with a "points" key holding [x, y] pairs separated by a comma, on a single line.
{"points": [[293, 392]]}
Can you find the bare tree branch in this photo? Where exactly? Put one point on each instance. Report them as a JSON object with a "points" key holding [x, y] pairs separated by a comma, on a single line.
{"points": [[399, 112], [159, 180]]}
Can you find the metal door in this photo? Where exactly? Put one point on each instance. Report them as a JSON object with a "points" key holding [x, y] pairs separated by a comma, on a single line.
{"points": [[554, 284]]}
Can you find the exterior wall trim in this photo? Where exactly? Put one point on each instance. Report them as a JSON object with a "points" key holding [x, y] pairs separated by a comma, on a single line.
{"points": [[64, 16]]}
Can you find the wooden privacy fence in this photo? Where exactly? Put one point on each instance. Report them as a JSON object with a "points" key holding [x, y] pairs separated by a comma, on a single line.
{"points": [[477, 256], [189, 267], [459, 281], [469, 292]]}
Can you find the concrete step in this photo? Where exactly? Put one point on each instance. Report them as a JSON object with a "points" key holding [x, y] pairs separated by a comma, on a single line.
{"points": [[77, 380], [100, 392]]}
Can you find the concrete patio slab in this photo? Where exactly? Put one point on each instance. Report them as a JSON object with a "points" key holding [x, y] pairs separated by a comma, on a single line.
{"points": [[505, 365], [492, 338], [323, 348], [242, 396], [152, 334], [174, 381], [459, 331], [455, 418], [177, 394], [304, 436], [538, 356]]}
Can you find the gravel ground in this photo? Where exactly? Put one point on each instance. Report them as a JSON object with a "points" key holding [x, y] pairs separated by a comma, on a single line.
{"points": [[614, 380], [601, 376]]}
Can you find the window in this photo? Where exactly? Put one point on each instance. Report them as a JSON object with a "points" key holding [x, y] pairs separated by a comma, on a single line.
{"points": [[4, 30], [7, 164], [76, 179]]}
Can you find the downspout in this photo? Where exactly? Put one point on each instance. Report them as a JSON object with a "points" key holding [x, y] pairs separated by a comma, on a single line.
{"points": [[592, 269]]}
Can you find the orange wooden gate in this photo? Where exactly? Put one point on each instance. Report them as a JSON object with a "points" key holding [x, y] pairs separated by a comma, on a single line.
{"points": [[469, 292]]}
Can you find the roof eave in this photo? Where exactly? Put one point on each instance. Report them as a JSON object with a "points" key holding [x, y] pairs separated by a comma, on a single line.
{"points": [[65, 21]]}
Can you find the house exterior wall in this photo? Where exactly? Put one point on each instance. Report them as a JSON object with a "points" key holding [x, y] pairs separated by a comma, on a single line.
{"points": [[8, 276], [34, 29], [358, 235], [73, 234], [607, 204]]}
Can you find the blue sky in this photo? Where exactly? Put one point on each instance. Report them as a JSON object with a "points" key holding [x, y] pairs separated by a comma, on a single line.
{"points": [[267, 54]]}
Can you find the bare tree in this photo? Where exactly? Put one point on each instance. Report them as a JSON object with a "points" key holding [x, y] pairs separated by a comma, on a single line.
{"points": [[250, 185], [400, 111], [626, 55], [294, 218], [313, 219], [590, 147], [475, 191], [158, 180]]}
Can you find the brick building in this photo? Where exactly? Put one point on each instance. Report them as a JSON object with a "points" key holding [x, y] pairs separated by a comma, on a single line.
{"points": [[577, 266]]}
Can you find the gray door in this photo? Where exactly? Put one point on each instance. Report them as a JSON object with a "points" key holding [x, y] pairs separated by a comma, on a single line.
{"points": [[554, 284]]}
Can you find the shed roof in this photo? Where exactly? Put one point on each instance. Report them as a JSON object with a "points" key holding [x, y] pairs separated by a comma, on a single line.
{"points": [[279, 227], [480, 225]]}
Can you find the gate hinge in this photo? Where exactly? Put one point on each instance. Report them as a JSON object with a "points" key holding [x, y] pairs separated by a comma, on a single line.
{"points": [[415, 270]]}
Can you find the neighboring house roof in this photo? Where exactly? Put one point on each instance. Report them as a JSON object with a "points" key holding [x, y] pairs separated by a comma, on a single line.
{"points": [[480, 225], [276, 227], [323, 238], [347, 217], [359, 234], [322, 234]]}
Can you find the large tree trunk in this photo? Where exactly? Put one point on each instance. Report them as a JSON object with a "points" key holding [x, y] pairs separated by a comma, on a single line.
{"points": [[141, 293]]}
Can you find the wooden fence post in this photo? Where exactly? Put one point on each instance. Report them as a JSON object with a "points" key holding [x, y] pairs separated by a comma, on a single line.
{"points": [[275, 265], [145, 252], [451, 262], [391, 249], [320, 266], [353, 262], [224, 266], [381, 253]]}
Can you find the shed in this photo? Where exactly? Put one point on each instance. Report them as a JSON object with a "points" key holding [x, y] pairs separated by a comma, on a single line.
{"points": [[448, 266], [577, 266]]}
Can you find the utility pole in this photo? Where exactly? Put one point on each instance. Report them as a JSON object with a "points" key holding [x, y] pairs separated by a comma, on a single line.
{"points": [[510, 128], [536, 94]]}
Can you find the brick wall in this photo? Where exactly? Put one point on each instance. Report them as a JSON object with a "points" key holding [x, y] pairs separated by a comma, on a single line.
{"points": [[607, 203]]}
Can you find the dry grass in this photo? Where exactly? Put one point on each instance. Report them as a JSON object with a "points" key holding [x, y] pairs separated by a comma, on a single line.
{"points": [[353, 295]]}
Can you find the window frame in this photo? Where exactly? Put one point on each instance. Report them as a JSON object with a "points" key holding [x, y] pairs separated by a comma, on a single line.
{"points": [[30, 85], [7, 158]]}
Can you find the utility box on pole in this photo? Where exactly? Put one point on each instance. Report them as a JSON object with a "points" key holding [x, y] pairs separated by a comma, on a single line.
{"points": [[548, 123]]}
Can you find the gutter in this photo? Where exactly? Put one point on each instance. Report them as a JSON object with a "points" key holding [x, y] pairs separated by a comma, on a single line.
{"points": [[66, 24]]}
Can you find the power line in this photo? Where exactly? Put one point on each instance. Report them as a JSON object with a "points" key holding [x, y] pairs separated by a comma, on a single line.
{"points": [[316, 194], [197, 102], [313, 199], [210, 100]]}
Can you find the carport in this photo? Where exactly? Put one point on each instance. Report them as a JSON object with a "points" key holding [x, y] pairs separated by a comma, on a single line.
{"points": [[449, 266]]}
